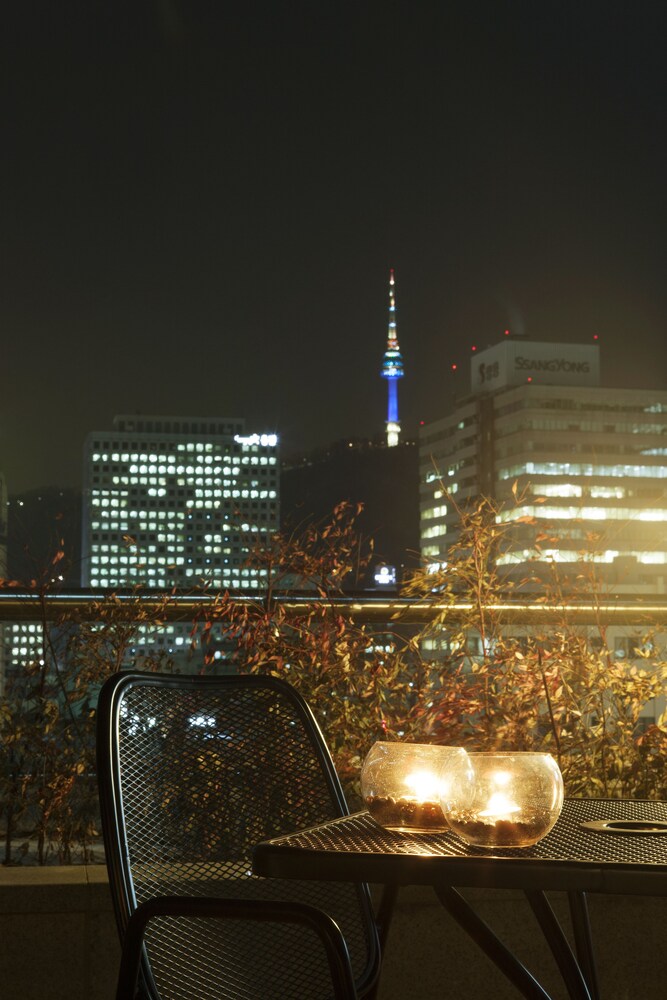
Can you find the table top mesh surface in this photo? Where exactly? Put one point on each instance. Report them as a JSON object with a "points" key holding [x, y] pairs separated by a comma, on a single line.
{"points": [[567, 845]]}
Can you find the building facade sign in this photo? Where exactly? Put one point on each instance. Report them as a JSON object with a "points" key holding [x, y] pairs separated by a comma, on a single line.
{"points": [[515, 362]]}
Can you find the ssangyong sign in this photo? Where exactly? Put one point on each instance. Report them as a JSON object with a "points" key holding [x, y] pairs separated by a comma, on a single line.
{"points": [[551, 365], [514, 362]]}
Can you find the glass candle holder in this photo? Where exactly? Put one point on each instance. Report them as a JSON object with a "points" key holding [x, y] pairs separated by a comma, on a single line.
{"points": [[504, 799], [405, 785]]}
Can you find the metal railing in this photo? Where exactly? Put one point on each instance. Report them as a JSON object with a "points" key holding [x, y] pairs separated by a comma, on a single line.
{"points": [[84, 605]]}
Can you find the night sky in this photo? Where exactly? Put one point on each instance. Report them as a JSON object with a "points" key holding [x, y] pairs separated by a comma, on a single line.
{"points": [[201, 202]]}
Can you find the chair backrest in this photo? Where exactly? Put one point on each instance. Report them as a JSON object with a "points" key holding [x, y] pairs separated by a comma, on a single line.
{"points": [[193, 772]]}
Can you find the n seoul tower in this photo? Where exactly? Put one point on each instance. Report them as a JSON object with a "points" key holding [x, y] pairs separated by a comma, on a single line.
{"points": [[392, 369]]}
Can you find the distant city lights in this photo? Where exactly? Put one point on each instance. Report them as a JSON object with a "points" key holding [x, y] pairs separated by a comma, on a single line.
{"points": [[384, 575]]}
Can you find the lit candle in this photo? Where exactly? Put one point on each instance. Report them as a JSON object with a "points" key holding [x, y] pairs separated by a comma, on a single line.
{"points": [[500, 806], [423, 785]]}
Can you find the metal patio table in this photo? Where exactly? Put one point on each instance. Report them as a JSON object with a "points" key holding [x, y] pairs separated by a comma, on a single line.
{"points": [[628, 857]]}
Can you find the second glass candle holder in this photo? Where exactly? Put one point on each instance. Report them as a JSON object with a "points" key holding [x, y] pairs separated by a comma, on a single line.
{"points": [[504, 799]]}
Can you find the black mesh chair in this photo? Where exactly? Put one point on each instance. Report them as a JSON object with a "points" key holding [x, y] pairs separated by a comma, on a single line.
{"points": [[194, 771]]}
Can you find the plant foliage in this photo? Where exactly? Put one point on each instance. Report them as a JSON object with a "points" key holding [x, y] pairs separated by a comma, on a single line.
{"points": [[466, 678]]}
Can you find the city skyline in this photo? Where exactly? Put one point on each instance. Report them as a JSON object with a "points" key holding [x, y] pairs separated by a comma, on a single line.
{"points": [[201, 209]]}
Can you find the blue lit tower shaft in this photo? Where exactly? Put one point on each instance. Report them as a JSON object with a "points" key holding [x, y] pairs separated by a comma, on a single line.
{"points": [[392, 370], [392, 402]]}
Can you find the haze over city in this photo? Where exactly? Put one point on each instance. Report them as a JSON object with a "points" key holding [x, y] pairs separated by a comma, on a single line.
{"points": [[201, 205]]}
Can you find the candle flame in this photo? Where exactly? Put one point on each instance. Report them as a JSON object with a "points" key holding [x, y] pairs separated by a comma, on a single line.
{"points": [[502, 778], [500, 806], [424, 785]]}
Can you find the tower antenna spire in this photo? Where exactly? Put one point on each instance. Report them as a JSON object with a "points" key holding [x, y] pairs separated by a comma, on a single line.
{"points": [[392, 369]]}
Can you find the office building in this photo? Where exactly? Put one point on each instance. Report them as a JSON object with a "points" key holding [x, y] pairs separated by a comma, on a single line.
{"points": [[3, 575], [3, 528], [171, 501], [382, 480], [42, 522], [578, 469], [44, 549]]}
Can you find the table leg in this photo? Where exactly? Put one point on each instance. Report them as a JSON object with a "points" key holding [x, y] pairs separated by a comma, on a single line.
{"points": [[483, 936], [583, 940], [385, 912], [570, 969]]}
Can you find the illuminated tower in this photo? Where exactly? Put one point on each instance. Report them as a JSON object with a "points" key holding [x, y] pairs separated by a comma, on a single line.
{"points": [[392, 369]]}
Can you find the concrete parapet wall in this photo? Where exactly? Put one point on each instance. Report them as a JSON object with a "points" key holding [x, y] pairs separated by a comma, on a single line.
{"points": [[58, 941], [58, 938]]}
